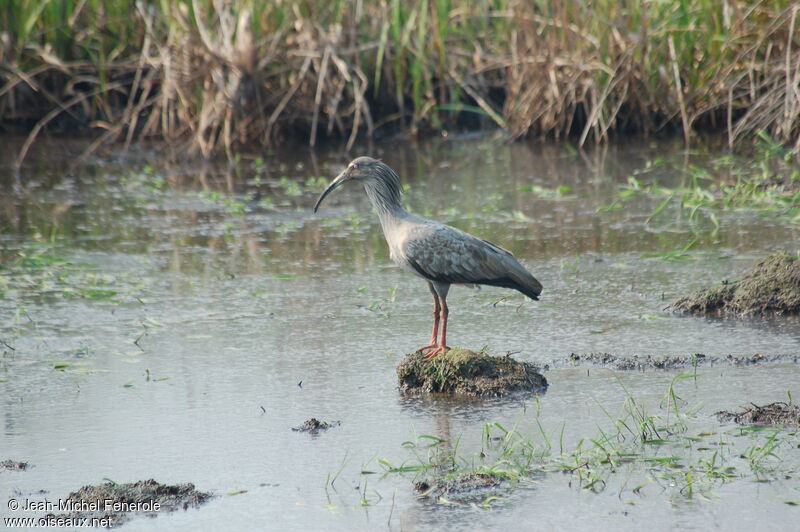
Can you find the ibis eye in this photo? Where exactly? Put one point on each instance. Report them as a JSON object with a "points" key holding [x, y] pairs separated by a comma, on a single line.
{"points": [[355, 165]]}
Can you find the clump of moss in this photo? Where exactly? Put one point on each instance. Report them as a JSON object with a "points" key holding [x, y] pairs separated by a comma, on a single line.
{"points": [[772, 287], [465, 372], [772, 414]]}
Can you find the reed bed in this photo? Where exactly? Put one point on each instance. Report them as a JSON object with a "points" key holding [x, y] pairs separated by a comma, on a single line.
{"points": [[218, 75]]}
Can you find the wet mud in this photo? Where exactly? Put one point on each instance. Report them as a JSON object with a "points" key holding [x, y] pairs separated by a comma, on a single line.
{"points": [[314, 425], [465, 372], [771, 288], [117, 503], [462, 488], [778, 413], [667, 362], [13, 465]]}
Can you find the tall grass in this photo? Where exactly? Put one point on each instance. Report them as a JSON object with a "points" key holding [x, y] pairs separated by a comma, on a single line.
{"points": [[226, 73]]}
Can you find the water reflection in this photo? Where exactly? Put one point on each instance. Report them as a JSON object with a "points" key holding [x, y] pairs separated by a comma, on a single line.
{"points": [[465, 409], [541, 201], [153, 300]]}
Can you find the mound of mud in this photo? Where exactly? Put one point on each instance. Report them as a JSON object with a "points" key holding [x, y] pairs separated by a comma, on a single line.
{"points": [[771, 414], [461, 488], [465, 372], [772, 287], [12, 465], [314, 425], [642, 363], [116, 503]]}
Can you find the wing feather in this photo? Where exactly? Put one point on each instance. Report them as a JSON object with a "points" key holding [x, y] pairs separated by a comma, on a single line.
{"points": [[449, 255], [444, 254]]}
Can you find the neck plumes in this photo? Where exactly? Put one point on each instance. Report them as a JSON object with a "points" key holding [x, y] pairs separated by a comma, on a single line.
{"points": [[385, 195]]}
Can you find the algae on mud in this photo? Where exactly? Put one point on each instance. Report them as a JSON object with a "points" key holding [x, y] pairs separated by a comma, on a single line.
{"points": [[772, 287], [465, 372]]}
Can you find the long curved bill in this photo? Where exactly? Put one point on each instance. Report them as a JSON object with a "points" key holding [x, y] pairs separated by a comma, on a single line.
{"points": [[341, 178]]}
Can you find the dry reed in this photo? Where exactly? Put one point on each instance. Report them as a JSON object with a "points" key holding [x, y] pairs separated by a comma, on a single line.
{"points": [[223, 74]]}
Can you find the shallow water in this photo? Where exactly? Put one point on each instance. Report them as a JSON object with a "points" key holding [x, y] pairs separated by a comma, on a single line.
{"points": [[196, 314]]}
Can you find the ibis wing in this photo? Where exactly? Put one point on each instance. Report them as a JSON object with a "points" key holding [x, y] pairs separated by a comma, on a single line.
{"points": [[448, 255]]}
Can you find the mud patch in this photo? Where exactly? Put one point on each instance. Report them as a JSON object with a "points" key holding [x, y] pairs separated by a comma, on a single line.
{"points": [[12, 465], [462, 488], [772, 287], [115, 504], [667, 362], [314, 425], [465, 372], [771, 414]]}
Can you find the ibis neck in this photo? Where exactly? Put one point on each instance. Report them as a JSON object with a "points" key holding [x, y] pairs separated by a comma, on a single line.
{"points": [[387, 204]]}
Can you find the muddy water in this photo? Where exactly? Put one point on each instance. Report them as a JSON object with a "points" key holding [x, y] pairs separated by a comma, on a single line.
{"points": [[174, 321]]}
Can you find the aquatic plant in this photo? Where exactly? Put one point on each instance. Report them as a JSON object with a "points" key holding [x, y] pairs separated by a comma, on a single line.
{"points": [[36, 272], [766, 180], [646, 447]]}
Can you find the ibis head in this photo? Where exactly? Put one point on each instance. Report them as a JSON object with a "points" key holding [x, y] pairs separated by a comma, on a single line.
{"points": [[379, 180]]}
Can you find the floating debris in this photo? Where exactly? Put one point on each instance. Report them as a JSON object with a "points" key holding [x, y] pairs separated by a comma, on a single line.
{"points": [[667, 362], [772, 414], [112, 504], [12, 465], [772, 287], [465, 372], [315, 425]]}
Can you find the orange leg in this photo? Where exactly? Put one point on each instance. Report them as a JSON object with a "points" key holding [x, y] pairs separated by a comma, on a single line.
{"points": [[436, 311], [442, 346]]}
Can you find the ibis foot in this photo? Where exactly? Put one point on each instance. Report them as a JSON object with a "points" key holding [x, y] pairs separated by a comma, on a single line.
{"points": [[424, 347], [439, 349]]}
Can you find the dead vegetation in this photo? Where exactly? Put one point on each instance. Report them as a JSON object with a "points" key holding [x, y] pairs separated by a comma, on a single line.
{"points": [[772, 287], [222, 74], [778, 413]]}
